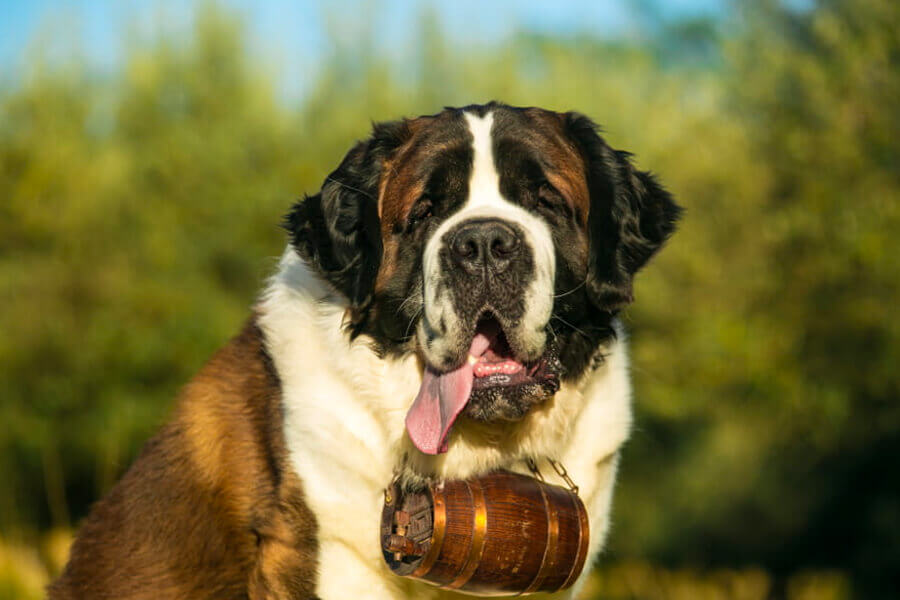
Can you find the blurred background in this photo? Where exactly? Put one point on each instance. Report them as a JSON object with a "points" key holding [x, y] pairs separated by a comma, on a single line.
{"points": [[148, 150]]}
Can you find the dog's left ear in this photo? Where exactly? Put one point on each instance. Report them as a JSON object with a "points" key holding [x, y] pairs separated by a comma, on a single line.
{"points": [[630, 216], [337, 231]]}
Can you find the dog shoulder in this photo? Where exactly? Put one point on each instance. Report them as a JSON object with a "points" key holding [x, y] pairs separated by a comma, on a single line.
{"points": [[207, 489]]}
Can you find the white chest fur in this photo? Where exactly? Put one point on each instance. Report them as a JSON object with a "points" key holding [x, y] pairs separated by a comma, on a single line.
{"points": [[344, 413]]}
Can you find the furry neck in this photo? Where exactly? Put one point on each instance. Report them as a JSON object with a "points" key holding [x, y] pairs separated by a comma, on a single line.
{"points": [[341, 394]]}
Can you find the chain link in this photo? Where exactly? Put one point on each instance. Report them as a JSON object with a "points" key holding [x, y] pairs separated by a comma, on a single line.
{"points": [[558, 467], [561, 471], [534, 469]]}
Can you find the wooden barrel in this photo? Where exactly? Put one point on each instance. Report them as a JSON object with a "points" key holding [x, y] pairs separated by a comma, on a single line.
{"points": [[499, 534]]}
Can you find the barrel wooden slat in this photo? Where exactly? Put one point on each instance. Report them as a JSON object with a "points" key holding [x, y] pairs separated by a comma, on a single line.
{"points": [[567, 545], [551, 547], [516, 526], [458, 536], [584, 540], [479, 536]]}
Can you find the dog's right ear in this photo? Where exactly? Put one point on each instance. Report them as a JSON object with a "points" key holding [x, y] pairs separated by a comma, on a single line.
{"points": [[337, 231]]}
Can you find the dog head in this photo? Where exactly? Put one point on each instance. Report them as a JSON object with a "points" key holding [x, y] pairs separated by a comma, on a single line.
{"points": [[496, 243]]}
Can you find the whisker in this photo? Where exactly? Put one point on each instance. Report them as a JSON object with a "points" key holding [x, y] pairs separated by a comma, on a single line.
{"points": [[415, 294], [411, 321], [574, 289], [403, 304], [553, 333], [569, 324], [350, 187]]}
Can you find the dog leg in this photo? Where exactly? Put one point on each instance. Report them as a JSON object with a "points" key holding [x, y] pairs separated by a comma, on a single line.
{"points": [[286, 557]]}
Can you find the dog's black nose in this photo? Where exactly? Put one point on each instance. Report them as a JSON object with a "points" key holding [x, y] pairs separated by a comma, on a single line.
{"points": [[485, 244]]}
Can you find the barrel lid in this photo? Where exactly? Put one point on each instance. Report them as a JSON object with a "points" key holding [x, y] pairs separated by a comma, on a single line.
{"points": [[407, 525]]}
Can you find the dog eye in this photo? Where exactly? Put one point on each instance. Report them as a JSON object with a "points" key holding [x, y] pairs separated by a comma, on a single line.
{"points": [[423, 209], [546, 195]]}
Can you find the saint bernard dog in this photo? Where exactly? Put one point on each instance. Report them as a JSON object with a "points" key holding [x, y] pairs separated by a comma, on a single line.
{"points": [[446, 306]]}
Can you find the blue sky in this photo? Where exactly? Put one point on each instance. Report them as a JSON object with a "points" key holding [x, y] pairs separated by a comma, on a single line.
{"points": [[294, 34]]}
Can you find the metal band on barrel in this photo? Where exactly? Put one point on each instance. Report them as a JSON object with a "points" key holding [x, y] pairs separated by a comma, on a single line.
{"points": [[584, 536], [439, 527], [479, 533], [548, 561]]}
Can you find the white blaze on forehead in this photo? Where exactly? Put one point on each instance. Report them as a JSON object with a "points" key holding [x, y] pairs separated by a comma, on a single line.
{"points": [[484, 183], [485, 200]]}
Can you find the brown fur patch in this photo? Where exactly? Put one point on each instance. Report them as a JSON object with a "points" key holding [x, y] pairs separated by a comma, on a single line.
{"points": [[402, 180], [210, 508], [565, 166]]}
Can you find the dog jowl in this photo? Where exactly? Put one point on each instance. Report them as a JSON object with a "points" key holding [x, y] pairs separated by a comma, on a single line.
{"points": [[497, 243]]}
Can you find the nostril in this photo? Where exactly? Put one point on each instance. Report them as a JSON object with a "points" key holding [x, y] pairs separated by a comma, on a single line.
{"points": [[504, 245], [465, 245]]}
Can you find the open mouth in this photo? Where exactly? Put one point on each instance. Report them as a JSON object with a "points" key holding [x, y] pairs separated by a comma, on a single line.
{"points": [[490, 374], [497, 365]]}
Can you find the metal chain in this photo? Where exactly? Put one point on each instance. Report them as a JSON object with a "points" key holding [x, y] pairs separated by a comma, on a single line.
{"points": [[534, 469], [561, 471], [532, 466], [558, 467]]}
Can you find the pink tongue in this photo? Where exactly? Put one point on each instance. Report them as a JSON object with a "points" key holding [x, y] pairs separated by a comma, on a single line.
{"points": [[440, 400]]}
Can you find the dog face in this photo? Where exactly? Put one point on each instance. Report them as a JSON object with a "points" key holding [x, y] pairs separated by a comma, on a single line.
{"points": [[497, 243]]}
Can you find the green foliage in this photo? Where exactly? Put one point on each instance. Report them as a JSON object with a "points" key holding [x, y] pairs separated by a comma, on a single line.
{"points": [[786, 419], [139, 216]]}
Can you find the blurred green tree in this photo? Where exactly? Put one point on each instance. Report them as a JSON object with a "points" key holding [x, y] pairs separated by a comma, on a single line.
{"points": [[779, 416]]}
